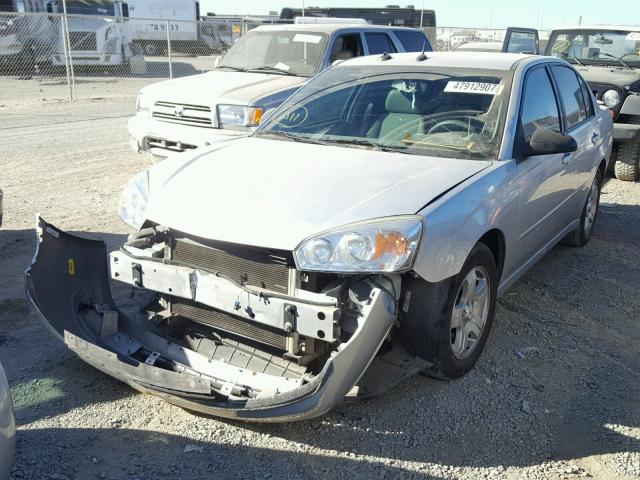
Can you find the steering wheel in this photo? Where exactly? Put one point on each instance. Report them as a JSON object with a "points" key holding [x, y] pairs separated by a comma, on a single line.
{"points": [[453, 125]]}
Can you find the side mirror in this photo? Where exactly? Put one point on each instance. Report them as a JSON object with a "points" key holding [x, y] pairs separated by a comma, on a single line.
{"points": [[545, 141]]}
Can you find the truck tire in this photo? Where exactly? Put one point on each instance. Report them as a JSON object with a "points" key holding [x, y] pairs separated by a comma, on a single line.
{"points": [[627, 158], [447, 323], [582, 234]]}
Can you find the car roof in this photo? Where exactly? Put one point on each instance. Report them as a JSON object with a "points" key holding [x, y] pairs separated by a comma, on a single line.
{"points": [[471, 60], [627, 28], [327, 27]]}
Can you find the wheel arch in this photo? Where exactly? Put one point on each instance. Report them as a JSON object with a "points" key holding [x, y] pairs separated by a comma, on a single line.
{"points": [[494, 239]]}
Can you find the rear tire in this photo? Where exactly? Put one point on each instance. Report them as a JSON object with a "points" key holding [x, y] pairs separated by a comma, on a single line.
{"points": [[582, 233], [448, 322], [628, 156]]}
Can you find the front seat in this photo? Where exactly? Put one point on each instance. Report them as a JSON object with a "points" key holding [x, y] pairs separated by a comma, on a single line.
{"points": [[402, 120]]}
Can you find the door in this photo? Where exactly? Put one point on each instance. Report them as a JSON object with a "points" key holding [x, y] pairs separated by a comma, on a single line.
{"points": [[545, 182], [578, 114], [521, 40]]}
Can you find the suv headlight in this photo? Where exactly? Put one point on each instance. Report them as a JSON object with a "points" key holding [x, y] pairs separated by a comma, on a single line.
{"points": [[383, 245], [611, 98], [133, 200], [234, 116], [143, 105]]}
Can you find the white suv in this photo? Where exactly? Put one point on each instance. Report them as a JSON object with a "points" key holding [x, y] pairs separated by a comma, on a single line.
{"points": [[257, 74]]}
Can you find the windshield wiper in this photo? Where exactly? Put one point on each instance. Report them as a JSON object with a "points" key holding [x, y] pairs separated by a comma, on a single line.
{"points": [[272, 69], [293, 137], [610, 55], [575, 59], [366, 143], [237, 69]]}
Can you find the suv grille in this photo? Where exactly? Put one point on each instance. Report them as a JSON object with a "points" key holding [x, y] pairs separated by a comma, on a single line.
{"points": [[259, 269], [83, 41], [194, 115]]}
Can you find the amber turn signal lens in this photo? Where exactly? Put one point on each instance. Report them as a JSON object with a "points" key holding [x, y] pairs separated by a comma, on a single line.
{"points": [[392, 243], [257, 116]]}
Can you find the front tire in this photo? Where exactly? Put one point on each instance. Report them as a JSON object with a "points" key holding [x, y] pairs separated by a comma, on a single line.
{"points": [[627, 165], [448, 323], [582, 234]]}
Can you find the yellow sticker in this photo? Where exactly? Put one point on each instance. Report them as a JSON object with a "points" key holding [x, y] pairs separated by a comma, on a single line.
{"points": [[235, 28], [72, 266]]}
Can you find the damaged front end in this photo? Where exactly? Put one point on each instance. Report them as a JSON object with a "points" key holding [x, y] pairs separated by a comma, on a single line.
{"points": [[233, 331]]}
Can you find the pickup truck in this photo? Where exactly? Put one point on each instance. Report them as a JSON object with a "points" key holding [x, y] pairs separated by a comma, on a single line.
{"points": [[262, 69]]}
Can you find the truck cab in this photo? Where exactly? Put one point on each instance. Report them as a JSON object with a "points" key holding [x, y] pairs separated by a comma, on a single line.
{"points": [[263, 68], [94, 36]]}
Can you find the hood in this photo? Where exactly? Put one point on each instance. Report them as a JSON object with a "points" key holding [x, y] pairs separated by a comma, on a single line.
{"points": [[620, 77], [221, 86], [274, 194]]}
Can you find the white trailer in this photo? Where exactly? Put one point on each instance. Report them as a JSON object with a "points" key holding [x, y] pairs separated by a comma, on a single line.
{"points": [[152, 21]]}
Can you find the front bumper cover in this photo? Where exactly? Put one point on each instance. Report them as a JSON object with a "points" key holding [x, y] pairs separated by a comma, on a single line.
{"points": [[67, 284], [148, 134]]}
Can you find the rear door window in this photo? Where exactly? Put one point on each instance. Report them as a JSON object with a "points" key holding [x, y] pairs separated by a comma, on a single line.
{"points": [[588, 98], [571, 95], [413, 41], [379, 43]]}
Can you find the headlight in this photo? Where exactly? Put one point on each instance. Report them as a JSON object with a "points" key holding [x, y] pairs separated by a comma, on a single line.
{"points": [[611, 98], [230, 116], [133, 200], [143, 104], [385, 245]]}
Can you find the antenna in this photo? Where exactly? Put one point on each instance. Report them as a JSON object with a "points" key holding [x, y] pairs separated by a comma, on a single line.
{"points": [[422, 55]]}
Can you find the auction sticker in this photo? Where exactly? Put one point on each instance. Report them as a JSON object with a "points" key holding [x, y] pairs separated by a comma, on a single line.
{"points": [[474, 87], [633, 36]]}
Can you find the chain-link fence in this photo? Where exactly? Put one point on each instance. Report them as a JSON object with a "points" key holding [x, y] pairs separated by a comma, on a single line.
{"points": [[45, 56], [55, 56]]}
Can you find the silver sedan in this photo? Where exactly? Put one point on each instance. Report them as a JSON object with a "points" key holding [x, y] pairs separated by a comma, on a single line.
{"points": [[360, 236]]}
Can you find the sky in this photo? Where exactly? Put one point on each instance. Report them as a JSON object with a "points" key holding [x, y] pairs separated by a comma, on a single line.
{"points": [[545, 14]]}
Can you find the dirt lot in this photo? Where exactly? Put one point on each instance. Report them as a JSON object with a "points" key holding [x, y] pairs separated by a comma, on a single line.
{"points": [[555, 395]]}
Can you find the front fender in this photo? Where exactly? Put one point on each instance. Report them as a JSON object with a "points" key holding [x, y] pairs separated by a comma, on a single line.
{"points": [[631, 105], [456, 221]]}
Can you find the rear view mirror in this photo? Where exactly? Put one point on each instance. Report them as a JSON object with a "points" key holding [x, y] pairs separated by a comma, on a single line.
{"points": [[545, 141]]}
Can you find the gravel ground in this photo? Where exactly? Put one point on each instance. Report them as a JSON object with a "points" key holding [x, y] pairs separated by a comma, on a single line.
{"points": [[556, 395]]}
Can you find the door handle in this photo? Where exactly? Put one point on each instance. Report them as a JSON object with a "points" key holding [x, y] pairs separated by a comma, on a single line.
{"points": [[595, 137], [566, 158]]}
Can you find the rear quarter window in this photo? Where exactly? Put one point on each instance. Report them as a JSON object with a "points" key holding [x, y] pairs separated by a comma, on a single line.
{"points": [[413, 41]]}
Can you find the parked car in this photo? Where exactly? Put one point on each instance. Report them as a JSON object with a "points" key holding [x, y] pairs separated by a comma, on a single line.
{"points": [[362, 234], [7, 427], [608, 57], [262, 69]]}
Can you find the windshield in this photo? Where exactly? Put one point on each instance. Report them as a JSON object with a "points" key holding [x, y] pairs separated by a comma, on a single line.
{"points": [[452, 112], [293, 52], [596, 47]]}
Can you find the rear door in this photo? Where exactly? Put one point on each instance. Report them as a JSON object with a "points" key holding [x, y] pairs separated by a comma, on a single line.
{"points": [[521, 40], [578, 112]]}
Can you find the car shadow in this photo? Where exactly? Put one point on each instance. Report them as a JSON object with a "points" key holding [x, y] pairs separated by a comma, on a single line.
{"points": [[124, 453]]}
